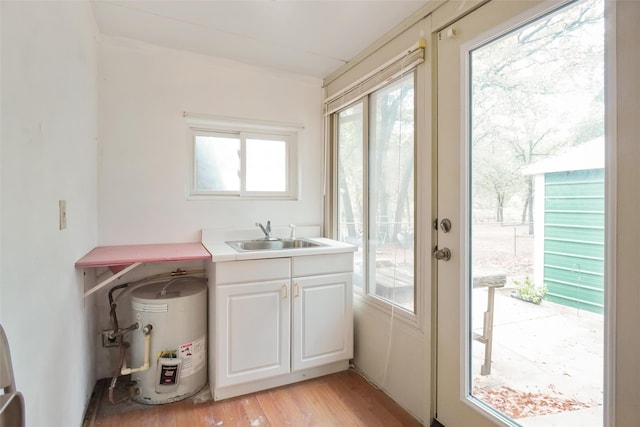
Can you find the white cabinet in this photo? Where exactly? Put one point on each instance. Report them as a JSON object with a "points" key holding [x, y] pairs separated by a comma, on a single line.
{"points": [[252, 331], [322, 309], [322, 320], [279, 320], [251, 321]]}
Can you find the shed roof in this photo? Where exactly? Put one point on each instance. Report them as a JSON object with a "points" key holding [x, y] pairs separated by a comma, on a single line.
{"points": [[589, 155]]}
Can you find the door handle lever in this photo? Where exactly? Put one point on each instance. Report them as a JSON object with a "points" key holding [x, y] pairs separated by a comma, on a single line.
{"points": [[443, 254]]}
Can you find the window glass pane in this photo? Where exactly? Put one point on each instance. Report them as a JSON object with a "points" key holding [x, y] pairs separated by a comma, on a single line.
{"points": [[217, 163], [391, 193], [266, 165], [350, 183], [537, 220]]}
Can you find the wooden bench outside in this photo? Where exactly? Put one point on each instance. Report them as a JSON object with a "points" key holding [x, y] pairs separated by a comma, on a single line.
{"points": [[490, 282]]}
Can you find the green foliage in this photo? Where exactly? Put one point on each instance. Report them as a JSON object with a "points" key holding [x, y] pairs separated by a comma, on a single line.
{"points": [[526, 290]]}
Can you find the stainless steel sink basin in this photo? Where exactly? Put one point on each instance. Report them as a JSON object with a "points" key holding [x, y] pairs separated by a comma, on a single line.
{"points": [[264, 244]]}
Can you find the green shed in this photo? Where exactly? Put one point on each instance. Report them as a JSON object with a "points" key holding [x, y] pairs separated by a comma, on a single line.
{"points": [[569, 226]]}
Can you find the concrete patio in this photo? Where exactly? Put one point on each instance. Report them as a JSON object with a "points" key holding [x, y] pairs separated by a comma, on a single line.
{"points": [[549, 352]]}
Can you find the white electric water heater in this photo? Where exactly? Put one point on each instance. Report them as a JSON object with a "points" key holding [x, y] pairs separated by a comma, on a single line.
{"points": [[175, 345]]}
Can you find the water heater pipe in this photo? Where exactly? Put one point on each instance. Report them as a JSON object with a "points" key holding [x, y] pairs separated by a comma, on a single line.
{"points": [[147, 350]]}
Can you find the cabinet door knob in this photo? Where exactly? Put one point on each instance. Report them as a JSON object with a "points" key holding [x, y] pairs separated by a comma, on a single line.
{"points": [[285, 289], [297, 289]]}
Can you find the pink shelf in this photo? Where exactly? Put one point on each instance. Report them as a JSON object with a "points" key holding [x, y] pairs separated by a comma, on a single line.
{"points": [[113, 256], [122, 259]]}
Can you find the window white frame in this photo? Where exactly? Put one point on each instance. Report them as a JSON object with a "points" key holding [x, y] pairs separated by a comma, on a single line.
{"points": [[243, 129], [367, 291]]}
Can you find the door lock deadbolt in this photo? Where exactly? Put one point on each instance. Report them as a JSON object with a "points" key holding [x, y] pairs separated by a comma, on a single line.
{"points": [[445, 225]]}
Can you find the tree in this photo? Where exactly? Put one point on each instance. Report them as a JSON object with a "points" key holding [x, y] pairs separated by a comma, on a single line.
{"points": [[535, 91], [392, 151], [350, 172], [391, 161]]}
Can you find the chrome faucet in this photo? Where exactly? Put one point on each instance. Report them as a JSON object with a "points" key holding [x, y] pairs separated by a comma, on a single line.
{"points": [[266, 230]]}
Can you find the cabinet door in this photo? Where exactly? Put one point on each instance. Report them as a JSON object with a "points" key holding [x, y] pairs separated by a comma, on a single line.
{"points": [[322, 320], [252, 331]]}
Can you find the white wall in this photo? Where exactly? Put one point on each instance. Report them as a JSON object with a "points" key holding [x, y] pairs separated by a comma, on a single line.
{"points": [[394, 356], [49, 145], [143, 140]]}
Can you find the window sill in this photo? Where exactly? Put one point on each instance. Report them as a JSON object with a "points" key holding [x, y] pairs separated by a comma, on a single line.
{"points": [[397, 312], [216, 197]]}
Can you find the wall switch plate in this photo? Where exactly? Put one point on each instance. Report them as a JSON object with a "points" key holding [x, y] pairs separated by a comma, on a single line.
{"points": [[62, 205]]}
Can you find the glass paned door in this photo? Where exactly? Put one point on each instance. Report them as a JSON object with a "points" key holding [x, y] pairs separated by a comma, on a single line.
{"points": [[528, 256]]}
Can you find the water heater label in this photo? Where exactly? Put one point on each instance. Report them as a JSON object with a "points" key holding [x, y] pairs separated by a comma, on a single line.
{"points": [[193, 355], [168, 375]]}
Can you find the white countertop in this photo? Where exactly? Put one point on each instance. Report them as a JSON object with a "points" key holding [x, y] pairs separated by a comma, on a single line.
{"points": [[214, 242]]}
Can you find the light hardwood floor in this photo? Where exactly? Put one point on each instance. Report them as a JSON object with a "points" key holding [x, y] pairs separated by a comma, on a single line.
{"points": [[342, 399]]}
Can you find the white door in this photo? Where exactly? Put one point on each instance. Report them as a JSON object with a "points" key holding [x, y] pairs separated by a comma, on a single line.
{"points": [[481, 379], [252, 331], [322, 320]]}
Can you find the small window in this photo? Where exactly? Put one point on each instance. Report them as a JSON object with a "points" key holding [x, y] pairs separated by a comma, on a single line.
{"points": [[238, 158]]}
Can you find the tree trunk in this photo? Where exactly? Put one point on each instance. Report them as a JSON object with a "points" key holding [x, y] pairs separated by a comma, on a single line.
{"points": [[500, 208], [403, 198], [527, 210], [347, 207]]}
